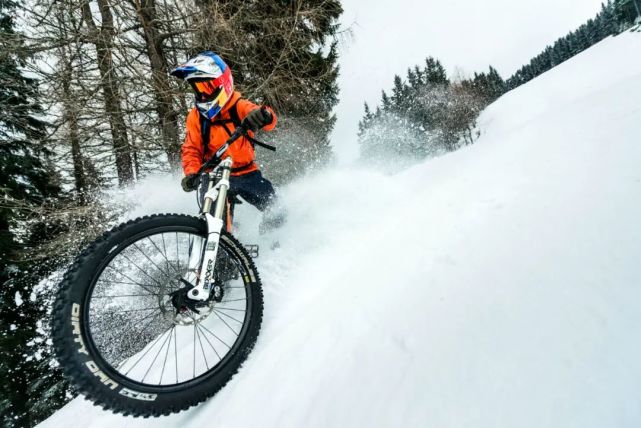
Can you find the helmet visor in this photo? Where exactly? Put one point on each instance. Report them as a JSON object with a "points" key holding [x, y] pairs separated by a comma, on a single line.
{"points": [[206, 90]]}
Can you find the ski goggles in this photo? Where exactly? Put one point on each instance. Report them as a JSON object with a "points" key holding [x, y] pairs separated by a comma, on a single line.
{"points": [[208, 91], [207, 88]]}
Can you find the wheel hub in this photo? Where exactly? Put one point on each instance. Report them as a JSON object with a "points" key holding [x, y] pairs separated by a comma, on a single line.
{"points": [[178, 308]]}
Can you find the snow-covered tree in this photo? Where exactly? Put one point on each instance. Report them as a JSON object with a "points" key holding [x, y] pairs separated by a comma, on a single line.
{"points": [[426, 114], [26, 183]]}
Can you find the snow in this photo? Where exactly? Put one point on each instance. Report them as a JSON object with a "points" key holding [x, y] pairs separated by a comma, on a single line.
{"points": [[18, 298], [494, 286]]}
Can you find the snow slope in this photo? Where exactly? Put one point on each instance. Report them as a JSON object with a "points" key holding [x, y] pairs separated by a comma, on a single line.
{"points": [[390, 36], [498, 286]]}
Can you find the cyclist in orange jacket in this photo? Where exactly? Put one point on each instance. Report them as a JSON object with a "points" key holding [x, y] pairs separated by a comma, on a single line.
{"points": [[218, 111]]}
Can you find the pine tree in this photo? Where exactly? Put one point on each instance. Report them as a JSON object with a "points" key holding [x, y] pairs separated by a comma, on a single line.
{"points": [[399, 96], [563, 50], [435, 72], [412, 79], [626, 12], [426, 114], [26, 182], [366, 121], [607, 21], [386, 103], [420, 76], [553, 55], [485, 86], [592, 32]]}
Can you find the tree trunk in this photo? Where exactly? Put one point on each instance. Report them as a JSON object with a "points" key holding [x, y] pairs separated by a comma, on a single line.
{"points": [[146, 10], [102, 38], [70, 118]]}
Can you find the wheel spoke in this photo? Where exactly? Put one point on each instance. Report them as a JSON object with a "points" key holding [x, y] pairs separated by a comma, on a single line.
{"points": [[152, 262], [149, 347], [157, 353], [132, 310], [177, 255], [143, 271], [124, 295], [213, 334], [110, 281], [143, 286], [225, 322], [190, 246], [210, 344], [201, 346], [176, 353], [162, 235], [228, 316], [163, 252], [234, 300], [164, 363], [146, 317], [221, 308], [194, 375]]}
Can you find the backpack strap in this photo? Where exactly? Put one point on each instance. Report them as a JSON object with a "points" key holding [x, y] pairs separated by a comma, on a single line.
{"points": [[205, 126], [233, 113], [261, 144]]}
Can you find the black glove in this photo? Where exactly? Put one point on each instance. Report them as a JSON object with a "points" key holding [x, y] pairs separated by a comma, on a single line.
{"points": [[190, 182], [257, 118]]}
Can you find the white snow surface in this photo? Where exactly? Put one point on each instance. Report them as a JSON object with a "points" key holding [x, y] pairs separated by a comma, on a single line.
{"points": [[497, 286]]}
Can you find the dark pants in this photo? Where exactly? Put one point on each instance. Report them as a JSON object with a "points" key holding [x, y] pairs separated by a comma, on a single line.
{"points": [[253, 188]]}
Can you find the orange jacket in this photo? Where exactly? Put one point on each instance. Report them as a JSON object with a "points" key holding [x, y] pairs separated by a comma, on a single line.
{"points": [[241, 151]]}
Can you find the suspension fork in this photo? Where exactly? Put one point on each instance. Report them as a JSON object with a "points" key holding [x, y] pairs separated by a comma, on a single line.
{"points": [[215, 193]]}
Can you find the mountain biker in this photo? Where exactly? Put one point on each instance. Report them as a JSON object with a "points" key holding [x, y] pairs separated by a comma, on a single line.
{"points": [[218, 110]]}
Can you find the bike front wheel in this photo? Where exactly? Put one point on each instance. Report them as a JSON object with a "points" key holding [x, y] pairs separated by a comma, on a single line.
{"points": [[126, 334]]}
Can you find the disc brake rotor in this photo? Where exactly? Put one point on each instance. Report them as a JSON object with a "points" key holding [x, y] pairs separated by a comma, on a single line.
{"points": [[178, 308]]}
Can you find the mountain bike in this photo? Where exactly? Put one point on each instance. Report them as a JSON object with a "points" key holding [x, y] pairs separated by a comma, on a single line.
{"points": [[159, 313]]}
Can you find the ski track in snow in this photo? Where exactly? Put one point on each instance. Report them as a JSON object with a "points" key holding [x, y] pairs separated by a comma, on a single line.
{"points": [[497, 286]]}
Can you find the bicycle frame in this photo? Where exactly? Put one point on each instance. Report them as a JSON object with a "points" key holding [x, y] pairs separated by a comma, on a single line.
{"points": [[216, 193]]}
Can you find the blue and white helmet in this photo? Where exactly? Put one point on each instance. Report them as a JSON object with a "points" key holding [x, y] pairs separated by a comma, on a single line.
{"points": [[211, 80]]}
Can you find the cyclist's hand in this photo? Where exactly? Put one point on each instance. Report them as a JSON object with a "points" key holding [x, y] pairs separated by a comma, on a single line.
{"points": [[257, 118], [190, 182]]}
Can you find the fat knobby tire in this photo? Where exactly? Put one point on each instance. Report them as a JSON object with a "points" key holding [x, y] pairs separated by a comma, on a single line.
{"points": [[90, 374]]}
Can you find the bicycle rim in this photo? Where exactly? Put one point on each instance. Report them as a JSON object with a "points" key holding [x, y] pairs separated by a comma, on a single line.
{"points": [[144, 336]]}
